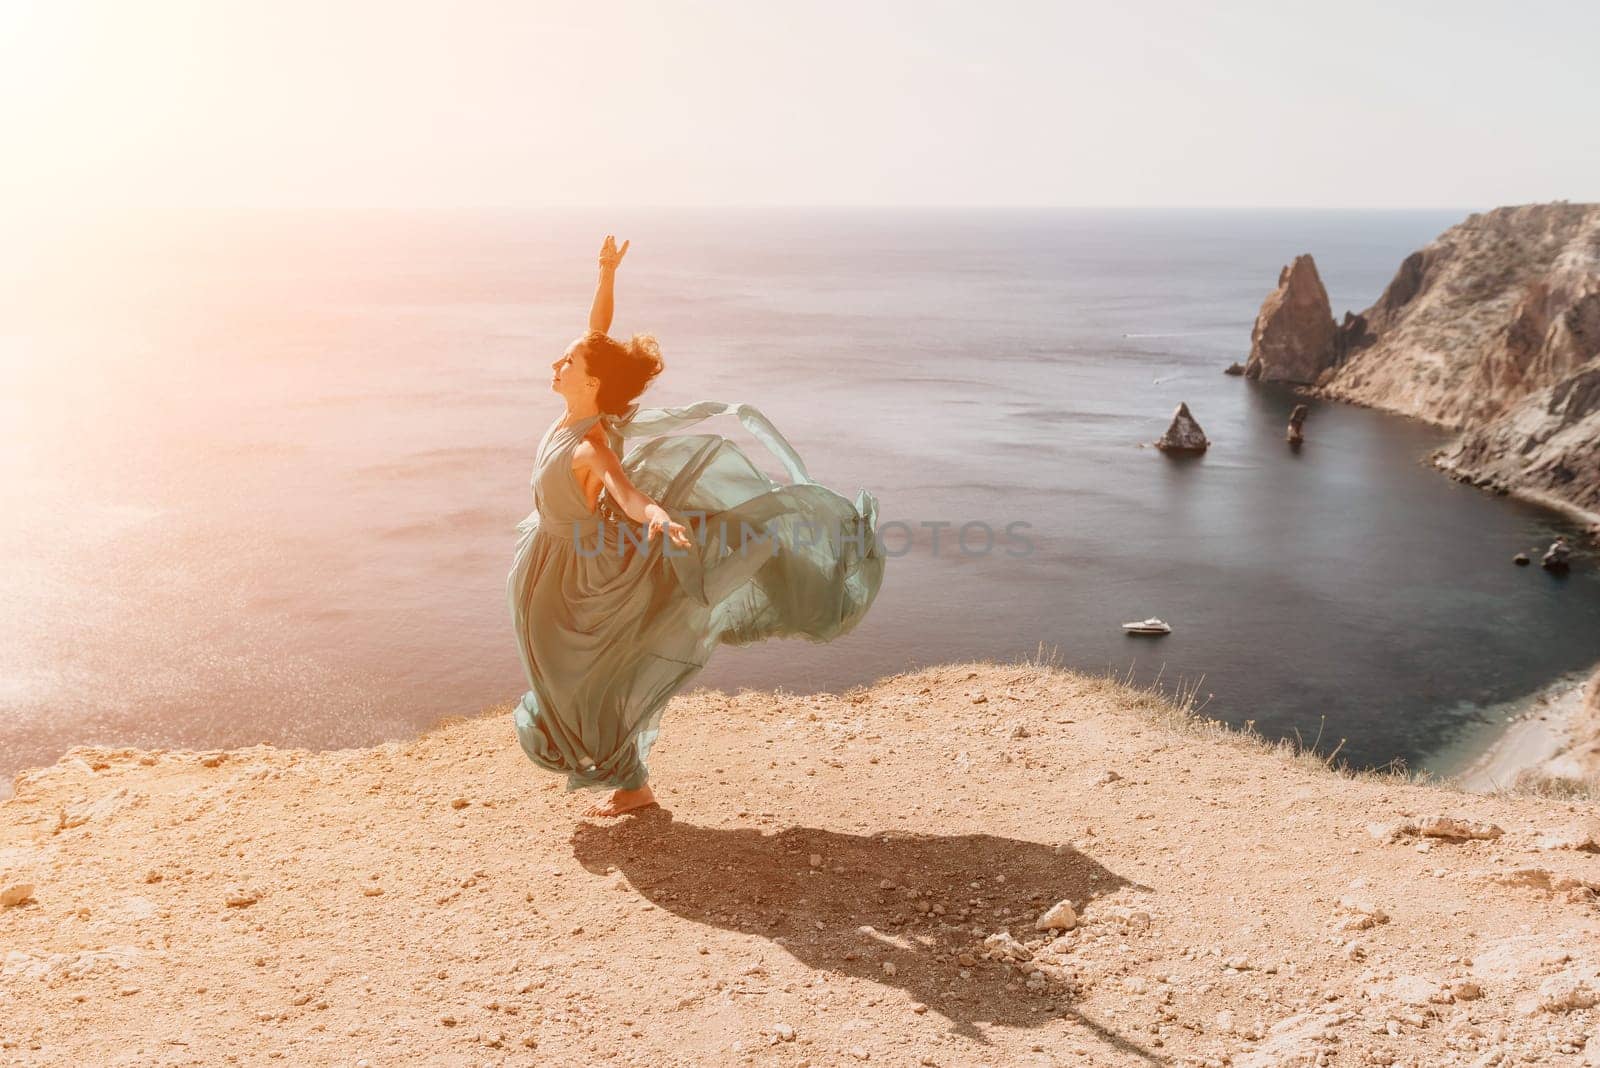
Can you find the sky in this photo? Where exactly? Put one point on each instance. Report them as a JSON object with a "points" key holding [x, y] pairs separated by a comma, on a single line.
{"points": [[112, 107]]}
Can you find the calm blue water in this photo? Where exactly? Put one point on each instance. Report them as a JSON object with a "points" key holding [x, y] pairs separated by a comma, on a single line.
{"points": [[261, 478]]}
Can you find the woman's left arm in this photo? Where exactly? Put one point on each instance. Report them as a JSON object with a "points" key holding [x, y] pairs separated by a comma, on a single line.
{"points": [[601, 310], [634, 504]]}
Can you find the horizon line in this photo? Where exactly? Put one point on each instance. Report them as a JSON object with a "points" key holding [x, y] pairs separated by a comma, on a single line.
{"points": [[814, 206]]}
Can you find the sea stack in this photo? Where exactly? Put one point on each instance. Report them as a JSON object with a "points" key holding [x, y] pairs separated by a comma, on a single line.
{"points": [[1297, 422], [1294, 339], [1184, 434], [1558, 557]]}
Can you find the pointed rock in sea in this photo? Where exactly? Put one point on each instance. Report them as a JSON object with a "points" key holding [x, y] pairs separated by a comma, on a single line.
{"points": [[1184, 434]]}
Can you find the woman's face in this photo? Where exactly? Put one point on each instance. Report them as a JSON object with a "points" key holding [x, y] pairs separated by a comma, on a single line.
{"points": [[570, 374]]}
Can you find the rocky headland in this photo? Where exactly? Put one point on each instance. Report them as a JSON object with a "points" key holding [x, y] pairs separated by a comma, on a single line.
{"points": [[970, 864], [1492, 330]]}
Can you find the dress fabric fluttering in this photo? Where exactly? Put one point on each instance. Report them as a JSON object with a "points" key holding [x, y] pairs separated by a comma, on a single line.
{"points": [[609, 630]]}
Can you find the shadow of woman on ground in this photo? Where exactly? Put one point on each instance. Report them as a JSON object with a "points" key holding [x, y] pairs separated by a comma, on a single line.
{"points": [[912, 901]]}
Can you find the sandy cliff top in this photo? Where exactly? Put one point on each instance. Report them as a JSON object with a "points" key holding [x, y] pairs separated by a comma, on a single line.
{"points": [[841, 879]]}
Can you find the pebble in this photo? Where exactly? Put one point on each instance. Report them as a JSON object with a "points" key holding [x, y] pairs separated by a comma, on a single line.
{"points": [[239, 897], [889, 968], [1567, 992], [459, 802], [1132, 919], [16, 894], [1003, 944], [1362, 915], [816, 860], [1579, 835], [1435, 827], [784, 1032], [1059, 917]]}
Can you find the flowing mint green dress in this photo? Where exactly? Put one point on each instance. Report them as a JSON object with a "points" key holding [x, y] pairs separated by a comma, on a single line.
{"points": [[609, 630]]}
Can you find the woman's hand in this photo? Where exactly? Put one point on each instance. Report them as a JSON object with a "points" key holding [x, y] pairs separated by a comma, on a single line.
{"points": [[659, 520], [611, 255], [604, 292], [594, 453]]}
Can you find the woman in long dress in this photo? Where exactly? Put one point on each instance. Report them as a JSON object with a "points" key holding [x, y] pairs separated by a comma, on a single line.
{"points": [[631, 569]]}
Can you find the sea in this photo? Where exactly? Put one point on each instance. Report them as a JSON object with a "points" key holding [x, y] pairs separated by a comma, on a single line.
{"points": [[260, 473]]}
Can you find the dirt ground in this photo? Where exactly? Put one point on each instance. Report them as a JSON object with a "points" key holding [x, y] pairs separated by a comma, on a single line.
{"points": [[831, 880]]}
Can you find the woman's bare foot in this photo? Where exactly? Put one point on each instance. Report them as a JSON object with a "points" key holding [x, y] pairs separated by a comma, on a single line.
{"points": [[622, 801]]}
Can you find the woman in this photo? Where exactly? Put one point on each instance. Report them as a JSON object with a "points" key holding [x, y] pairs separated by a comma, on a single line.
{"points": [[612, 616]]}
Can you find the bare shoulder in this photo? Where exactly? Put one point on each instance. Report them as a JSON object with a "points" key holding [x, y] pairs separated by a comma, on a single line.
{"points": [[594, 452]]}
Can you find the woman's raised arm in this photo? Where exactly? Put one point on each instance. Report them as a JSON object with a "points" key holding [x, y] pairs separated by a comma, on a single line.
{"points": [[604, 295]]}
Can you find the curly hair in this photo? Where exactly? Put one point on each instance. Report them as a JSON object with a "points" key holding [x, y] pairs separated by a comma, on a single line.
{"points": [[623, 368]]}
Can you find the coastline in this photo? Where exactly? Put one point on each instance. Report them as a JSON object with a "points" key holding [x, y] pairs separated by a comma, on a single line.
{"points": [[1544, 739], [1590, 521], [1544, 736], [1436, 458]]}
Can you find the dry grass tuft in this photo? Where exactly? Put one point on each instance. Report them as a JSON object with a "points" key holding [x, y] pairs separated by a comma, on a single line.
{"points": [[1531, 782], [1181, 709]]}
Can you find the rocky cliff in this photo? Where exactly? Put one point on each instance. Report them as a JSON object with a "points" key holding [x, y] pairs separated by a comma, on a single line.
{"points": [[1547, 446], [1493, 330], [1497, 308]]}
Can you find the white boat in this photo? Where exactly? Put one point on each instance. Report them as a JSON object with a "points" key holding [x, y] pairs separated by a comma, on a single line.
{"points": [[1147, 626]]}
